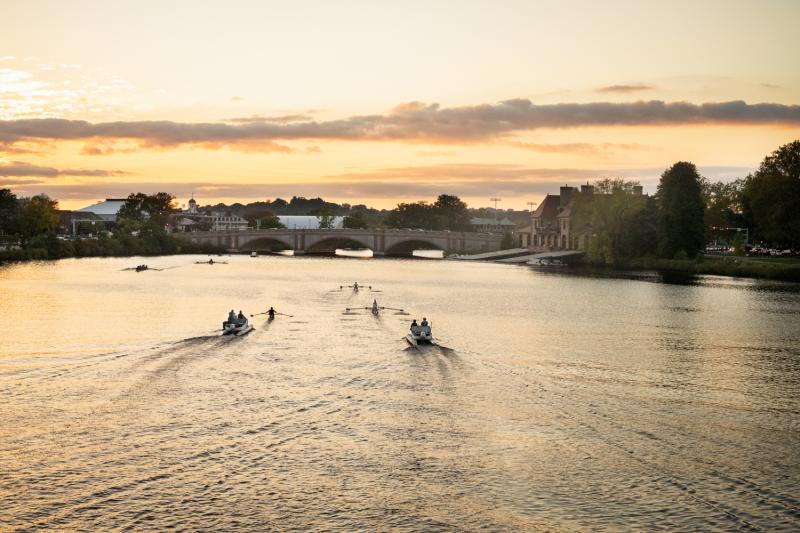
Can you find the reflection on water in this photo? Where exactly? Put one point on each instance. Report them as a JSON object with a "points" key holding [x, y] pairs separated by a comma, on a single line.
{"points": [[428, 254], [364, 253], [565, 402]]}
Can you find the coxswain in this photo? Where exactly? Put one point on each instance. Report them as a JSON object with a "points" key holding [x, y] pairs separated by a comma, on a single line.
{"points": [[424, 322]]}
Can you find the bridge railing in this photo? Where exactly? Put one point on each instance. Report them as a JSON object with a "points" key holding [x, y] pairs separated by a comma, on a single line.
{"points": [[409, 231]]}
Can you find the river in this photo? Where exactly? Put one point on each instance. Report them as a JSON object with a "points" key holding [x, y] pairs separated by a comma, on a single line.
{"points": [[558, 402]]}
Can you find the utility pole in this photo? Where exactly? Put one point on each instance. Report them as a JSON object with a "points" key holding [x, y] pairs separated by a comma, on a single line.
{"points": [[495, 200], [531, 205]]}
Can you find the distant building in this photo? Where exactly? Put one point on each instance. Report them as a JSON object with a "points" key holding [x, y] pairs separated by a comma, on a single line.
{"points": [[81, 223], [307, 221], [196, 219], [106, 210], [91, 219], [553, 225], [491, 225]]}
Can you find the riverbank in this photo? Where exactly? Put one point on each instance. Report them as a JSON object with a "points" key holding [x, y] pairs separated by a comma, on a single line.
{"points": [[50, 247], [750, 267]]}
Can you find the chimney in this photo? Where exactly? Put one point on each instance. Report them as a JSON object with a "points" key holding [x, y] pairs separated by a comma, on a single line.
{"points": [[565, 195], [637, 190], [587, 189]]}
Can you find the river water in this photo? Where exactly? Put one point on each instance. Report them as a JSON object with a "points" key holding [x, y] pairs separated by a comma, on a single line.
{"points": [[560, 402]]}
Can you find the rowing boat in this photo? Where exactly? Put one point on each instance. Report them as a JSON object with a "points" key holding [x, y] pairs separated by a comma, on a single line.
{"points": [[420, 335], [238, 327]]}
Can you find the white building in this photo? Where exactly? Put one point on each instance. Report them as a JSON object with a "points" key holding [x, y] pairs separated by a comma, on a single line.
{"points": [[106, 210], [307, 222], [227, 221], [195, 219]]}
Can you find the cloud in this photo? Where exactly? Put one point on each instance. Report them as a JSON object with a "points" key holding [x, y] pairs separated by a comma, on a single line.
{"points": [[632, 88], [425, 182], [281, 119], [410, 122], [436, 153], [21, 168], [20, 148], [578, 148], [770, 86], [16, 182], [332, 189], [484, 172]]}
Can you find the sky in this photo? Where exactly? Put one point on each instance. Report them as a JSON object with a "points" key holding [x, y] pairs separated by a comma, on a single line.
{"points": [[383, 102]]}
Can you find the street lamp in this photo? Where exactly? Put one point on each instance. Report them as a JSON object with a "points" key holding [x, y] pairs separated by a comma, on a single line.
{"points": [[495, 200]]}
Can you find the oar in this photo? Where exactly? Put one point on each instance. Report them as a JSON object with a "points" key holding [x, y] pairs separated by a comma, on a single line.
{"points": [[264, 313], [394, 309], [284, 314]]}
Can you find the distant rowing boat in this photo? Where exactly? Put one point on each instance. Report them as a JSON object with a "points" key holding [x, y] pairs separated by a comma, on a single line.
{"points": [[238, 327]]}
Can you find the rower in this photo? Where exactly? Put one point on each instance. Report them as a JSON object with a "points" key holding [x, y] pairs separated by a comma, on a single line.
{"points": [[241, 317], [232, 316], [414, 324], [271, 313], [374, 307], [355, 286]]}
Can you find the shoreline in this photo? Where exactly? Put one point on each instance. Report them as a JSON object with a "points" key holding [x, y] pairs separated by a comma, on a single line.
{"points": [[741, 267]]}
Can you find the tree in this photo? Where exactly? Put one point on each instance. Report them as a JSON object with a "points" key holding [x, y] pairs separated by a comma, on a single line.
{"points": [[325, 216], [9, 212], [155, 208], [738, 244], [771, 196], [263, 219], [681, 211], [620, 223], [453, 212], [38, 216], [612, 185], [640, 238], [418, 215], [356, 220]]}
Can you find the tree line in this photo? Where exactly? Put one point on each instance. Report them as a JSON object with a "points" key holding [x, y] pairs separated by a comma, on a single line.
{"points": [[446, 212], [688, 211], [28, 230]]}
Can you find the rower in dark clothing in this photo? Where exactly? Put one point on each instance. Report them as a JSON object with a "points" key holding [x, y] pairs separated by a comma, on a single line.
{"points": [[414, 324], [271, 313]]}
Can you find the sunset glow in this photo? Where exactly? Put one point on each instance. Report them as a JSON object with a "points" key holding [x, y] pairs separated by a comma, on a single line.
{"points": [[366, 102]]}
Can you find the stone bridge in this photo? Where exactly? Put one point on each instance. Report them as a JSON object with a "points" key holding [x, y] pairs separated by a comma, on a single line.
{"points": [[326, 241]]}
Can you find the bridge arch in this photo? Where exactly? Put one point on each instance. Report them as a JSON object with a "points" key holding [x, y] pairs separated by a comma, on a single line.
{"points": [[329, 245], [266, 244], [407, 247]]}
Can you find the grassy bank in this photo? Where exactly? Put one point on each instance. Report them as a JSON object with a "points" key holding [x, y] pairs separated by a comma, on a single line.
{"points": [[787, 269], [124, 245]]}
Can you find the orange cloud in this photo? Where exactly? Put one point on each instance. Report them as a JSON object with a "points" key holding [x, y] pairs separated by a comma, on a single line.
{"points": [[411, 122]]}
